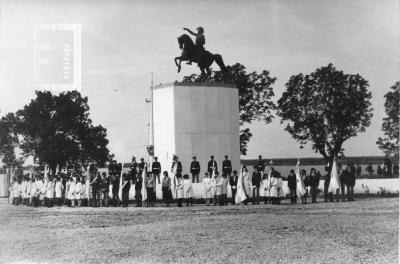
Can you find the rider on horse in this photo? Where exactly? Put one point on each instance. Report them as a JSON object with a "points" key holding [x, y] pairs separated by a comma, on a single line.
{"points": [[200, 41]]}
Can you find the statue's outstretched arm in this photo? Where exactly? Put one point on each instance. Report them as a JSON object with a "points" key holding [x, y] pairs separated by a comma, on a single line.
{"points": [[191, 32]]}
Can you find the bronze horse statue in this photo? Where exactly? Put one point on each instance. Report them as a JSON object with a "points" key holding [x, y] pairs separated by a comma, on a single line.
{"points": [[203, 58]]}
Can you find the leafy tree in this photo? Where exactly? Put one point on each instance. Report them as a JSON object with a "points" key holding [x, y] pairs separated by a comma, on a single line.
{"points": [[390, 126], [255, 93], [57, 130], [325, 108], [9, 141]]}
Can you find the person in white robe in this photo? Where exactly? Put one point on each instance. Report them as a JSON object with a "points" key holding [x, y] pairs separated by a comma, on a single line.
{"points": [[83, 194], [43, 191], [247, 183], [50, 192], [78, 187], [72, 191], [207, 188], [59, 190], [264, 188], [188, 189], [179, 189]]}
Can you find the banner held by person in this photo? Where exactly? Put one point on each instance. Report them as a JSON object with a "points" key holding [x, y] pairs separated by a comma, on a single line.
{"points": [[334, 184], [144, 191], [301, 190], [240, 194]]}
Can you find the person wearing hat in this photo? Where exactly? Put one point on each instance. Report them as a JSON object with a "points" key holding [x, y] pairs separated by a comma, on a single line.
{"points": [[260, 164], [200, 42], [212, 165], [226, 167], [195, 170], [156, 169]]}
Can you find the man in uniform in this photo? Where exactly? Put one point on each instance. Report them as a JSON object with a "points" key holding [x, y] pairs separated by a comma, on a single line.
{"points": [[156, 169], [200, 42], [226, 167], [260, 164], [255, 181], [141, 166], [233, 183], [195, 170], [212, 165]]}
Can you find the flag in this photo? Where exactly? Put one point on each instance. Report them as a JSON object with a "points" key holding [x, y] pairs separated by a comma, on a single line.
{"points": [[301, 190], [144, 191], [120, 187], [334, 184], [174, 171], [240, 194]]}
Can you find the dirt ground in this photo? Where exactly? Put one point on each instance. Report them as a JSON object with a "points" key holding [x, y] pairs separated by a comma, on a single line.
{"points": [[365, 231]]}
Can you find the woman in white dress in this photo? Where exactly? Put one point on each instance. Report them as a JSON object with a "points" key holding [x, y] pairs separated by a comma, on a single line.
{"points": [[179, 189], [264, 188], [71, 191], [207, 188], [50, 192], [188, 189], [247, 183]]}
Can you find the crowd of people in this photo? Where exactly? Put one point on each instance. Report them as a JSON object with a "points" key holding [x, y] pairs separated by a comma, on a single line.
{"points": [[95, 188]]}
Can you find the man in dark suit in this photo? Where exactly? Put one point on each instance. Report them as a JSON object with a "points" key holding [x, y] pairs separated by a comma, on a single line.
{"points": [[226, 167], [260, 164], [133, 170], [156, 169], [292, 187], [195, 170], [255, 181], [233, 183], [212, 165]]}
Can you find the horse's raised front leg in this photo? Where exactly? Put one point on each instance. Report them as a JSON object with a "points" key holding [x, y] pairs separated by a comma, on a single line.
{"points": [[178, 65]]}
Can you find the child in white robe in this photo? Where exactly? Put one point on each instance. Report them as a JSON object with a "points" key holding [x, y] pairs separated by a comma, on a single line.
{"points": [[50, 192], [72, 190], [78, 188], [59, 190], [188, 189], [207, 188]]}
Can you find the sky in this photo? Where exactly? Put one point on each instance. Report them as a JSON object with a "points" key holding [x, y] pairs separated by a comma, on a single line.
{"points": [[124, 41]]}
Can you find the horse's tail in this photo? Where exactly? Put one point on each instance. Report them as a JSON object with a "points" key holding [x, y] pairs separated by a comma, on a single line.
{"points": [[218, 59]]}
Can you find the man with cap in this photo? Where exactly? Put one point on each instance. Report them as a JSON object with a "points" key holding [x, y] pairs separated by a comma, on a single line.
{"points": [[260, 164], [200, 42], [212, 165], [226, 167], [195, 170], [156, 169]]}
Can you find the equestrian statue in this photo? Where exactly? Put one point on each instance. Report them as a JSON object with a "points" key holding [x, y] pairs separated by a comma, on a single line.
{"points": [[195, 52]]}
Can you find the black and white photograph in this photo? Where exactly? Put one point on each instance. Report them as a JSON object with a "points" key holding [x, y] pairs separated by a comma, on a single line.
{"points": [[199, 131]]}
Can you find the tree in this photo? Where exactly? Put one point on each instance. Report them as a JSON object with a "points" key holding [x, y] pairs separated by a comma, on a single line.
{"points": [[325, 108], [390, 126], [255, 93], [9, 141], [57, 130]]}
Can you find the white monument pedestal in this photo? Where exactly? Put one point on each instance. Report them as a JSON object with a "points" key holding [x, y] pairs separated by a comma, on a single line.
{"points": [[196, 119]]}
